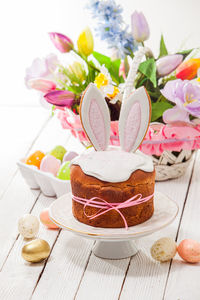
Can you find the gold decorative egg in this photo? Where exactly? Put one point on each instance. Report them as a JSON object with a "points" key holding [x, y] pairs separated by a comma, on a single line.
{"points": [[36, 250]]}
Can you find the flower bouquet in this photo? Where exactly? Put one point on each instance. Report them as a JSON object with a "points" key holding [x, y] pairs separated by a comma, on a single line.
{"points": [[172, 81]]}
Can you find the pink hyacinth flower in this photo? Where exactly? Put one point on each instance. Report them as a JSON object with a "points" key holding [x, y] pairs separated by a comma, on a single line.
{"points": [[42, 85], [61, 42], [60, 98]]}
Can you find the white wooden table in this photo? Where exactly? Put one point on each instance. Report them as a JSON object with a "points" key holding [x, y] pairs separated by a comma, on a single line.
{"points": [[72, 271]]}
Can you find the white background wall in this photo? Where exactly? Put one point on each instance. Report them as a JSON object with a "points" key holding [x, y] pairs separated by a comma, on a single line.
{"points": [[24, 25]]}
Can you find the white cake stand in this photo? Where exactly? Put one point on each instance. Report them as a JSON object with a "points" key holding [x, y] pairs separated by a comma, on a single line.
{"points": [[114, 243]]}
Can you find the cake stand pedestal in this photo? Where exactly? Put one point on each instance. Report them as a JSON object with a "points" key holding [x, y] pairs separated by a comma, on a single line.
{"points": [[114, 243], [114, 250]]}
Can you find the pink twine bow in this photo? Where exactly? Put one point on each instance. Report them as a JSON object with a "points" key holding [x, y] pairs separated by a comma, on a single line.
{"points": [[105, 206]]}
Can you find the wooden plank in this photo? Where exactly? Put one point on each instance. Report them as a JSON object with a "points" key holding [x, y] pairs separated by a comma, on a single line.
{"points": [[146, 278], [17, 135], [184, 278], [102, 279], [65, 268], [21, 135], [18, 278], [17, 200]]}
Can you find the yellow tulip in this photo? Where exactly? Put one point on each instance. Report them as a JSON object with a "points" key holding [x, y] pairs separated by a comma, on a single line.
{"points": [[77, 69], [85, 42]]}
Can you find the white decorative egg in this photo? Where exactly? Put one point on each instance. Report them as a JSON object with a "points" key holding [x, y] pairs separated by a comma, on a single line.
{"points": [[69, 156], [28, 226], [164, 249]]}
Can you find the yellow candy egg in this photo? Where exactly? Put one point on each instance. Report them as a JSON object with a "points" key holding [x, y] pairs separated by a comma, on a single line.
{"points": [[36, 251], [164, 249], [44, 218], [28, 226], [189, 250]]}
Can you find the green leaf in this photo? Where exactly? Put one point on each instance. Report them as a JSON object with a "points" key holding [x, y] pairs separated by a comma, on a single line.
{"points": [[163, 48], [102, 59], [185, 53], [126, 65], [112, 66], [121, 79], [148, 68], [158, 109], [114, 70], [91, 74], [76, 89]]}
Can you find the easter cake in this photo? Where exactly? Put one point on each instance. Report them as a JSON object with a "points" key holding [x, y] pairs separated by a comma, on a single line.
{"points": [[113, 188]]}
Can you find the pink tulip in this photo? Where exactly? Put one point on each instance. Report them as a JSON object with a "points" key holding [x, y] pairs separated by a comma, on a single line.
{"points": [[60, 98], [61, 42], [42, 68], [42, 85], [122, 71], [167, 64], [140, 27]]}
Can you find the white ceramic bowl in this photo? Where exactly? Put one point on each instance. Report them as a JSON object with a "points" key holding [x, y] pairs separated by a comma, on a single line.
{"points": [[46, 182]]}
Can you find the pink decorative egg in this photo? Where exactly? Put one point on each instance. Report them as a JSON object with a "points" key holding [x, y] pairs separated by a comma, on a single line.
{"points": [[69, 156], [44, 218], [50, 164], [189, 250]]}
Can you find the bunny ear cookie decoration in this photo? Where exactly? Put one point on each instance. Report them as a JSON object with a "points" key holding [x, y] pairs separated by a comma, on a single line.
{"points": [[95, 118], [134, 119]]}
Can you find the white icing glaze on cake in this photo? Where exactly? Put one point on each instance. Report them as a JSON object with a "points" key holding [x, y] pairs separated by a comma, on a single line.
{"points": [[112, 165]]}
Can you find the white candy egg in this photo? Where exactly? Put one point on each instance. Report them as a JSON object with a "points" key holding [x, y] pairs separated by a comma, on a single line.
{"points": [[28, 226], [164, 249]]}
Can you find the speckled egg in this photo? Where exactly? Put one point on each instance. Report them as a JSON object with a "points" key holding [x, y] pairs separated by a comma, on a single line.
{"points": [[64, 171], [58, 152], [45, 220], [36, 251], [69, 156], [28, 226], [164, 249], [35, 159], [50, 164], [189, 250]]}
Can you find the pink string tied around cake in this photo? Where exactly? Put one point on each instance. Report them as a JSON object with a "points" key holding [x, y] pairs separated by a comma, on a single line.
{"points": [[105, 206]]}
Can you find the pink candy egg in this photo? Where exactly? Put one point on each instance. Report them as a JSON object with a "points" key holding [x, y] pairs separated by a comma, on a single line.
{"points": [[50, 164], [69, 156], [189, 250], [44, 218]]}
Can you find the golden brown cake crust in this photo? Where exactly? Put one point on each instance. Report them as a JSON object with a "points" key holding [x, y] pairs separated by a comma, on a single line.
{"points": [[86, 187]]}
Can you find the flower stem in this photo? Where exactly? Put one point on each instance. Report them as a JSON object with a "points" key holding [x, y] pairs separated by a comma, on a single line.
{"points": [[87, 62]]}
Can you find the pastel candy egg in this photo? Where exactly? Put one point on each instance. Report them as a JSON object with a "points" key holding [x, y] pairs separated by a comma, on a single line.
{"points": [[28, 226], [35, 159], [36, 251], [50, 164], [164, 249], [69, 156], [64, 171], [44, 218], [58, 152], [189, 250]]}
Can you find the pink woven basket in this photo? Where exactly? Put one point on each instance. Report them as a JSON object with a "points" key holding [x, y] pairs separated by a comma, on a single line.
{"points": [[159, 137]]}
